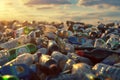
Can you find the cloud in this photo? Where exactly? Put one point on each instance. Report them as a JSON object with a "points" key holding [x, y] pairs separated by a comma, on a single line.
{"points": [[94, 17], [48, 2], [104, 14], [39, 8], [100, 3]]}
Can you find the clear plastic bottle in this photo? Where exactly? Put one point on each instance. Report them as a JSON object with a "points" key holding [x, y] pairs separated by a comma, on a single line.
{"points": [[84, 72], [99, 43], [50, 28], [113, 40], [42, 51], [59, 58], [52, 46], [69, 48], [68, 65], [88, 43], [107, 71], [25, 58], [112, 59], [78, 59], [4, 57], [61, 43], [10, 44], [48, 65]]}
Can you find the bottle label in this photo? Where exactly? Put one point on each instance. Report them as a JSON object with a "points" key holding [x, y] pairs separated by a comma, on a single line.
{"points": [[22, 50]]}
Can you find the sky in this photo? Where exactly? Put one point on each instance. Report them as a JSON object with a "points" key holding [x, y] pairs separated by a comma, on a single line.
{"points": [[89, 11]]}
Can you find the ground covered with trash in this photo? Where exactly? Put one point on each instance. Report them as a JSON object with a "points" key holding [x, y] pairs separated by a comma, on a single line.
{"points": [[59, 51]]}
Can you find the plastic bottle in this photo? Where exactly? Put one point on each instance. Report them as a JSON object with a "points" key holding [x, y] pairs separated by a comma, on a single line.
{"points": [[19, 32], [28, 48], [8, 77], [22, 71], [37, 33], [10, 44], [61, 43], [50, 35], [50, 28], [1, 36], [23, 39], [42, 51], [69, 48], [82, 39], [48, 65], [68, 65], [43, 41], [116, 47], [88, 43], [25, 58], [84, 72], [52, 46], [79, 59], [93, 35], [113, 40], [99, 43], [74, 40], [59, 58], [34, 34], [111, 60], [64, 33], [117, 64], [98, 54], [3, 57], [107, 71]]}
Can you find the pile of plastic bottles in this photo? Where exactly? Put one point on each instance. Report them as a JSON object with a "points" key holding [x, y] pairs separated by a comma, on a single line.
{"points": [[61, 51]]}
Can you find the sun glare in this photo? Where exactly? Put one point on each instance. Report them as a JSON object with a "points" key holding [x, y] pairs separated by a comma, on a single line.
{"points": [[2, 6]]}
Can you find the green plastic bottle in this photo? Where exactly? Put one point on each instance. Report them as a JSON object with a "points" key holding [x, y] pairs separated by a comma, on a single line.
{"points": [[8, 77], [28, 48]]}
